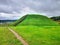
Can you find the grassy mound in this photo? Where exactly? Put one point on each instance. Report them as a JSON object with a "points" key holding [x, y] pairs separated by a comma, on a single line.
{"points": [[35, 19]]}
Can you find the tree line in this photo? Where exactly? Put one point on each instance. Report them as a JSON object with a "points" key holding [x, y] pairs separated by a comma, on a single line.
{"points": [[56, 18]]}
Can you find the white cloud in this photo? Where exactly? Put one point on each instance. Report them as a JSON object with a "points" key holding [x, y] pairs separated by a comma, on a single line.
{"points": [[23, 12], [15, 15], [14, 9], [9, 16]]}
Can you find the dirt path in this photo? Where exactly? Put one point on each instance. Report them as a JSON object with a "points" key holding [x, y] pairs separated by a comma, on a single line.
{"points": [[18, 37]]}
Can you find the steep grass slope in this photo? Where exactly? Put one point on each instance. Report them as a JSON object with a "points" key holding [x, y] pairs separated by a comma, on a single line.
{"points": [[35, 19]]}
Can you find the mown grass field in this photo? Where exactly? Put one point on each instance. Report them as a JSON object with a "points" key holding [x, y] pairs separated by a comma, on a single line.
{"points": [[35, 29], [43, 35], [7, 37]]}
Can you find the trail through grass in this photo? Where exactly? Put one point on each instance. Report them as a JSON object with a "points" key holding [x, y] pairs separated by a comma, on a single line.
{"points": [[35, 35], [7, 37]]}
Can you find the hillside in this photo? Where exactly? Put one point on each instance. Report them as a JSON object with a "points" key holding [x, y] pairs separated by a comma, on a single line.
{"points": [[35, 19]]}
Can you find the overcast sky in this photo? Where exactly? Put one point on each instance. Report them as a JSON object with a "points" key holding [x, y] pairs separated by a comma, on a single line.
{"points": [[14, 9]]}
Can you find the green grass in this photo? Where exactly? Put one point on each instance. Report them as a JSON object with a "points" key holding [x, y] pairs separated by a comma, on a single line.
{"points": [[44, 35], [35, 20], [7, 37], [34, 28]]}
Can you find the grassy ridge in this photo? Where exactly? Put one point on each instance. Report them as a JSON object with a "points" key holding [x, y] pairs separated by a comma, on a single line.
{"points": [[7, 37], [35, 19], [19, 21], [35, 35]]}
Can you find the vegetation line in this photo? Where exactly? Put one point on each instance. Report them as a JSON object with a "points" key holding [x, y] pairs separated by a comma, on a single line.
{"points": [[18, 37], [20, 20]]}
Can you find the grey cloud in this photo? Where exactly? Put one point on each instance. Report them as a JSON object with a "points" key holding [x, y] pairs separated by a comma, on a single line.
{"points": [[9, 6], [50, 7]]}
